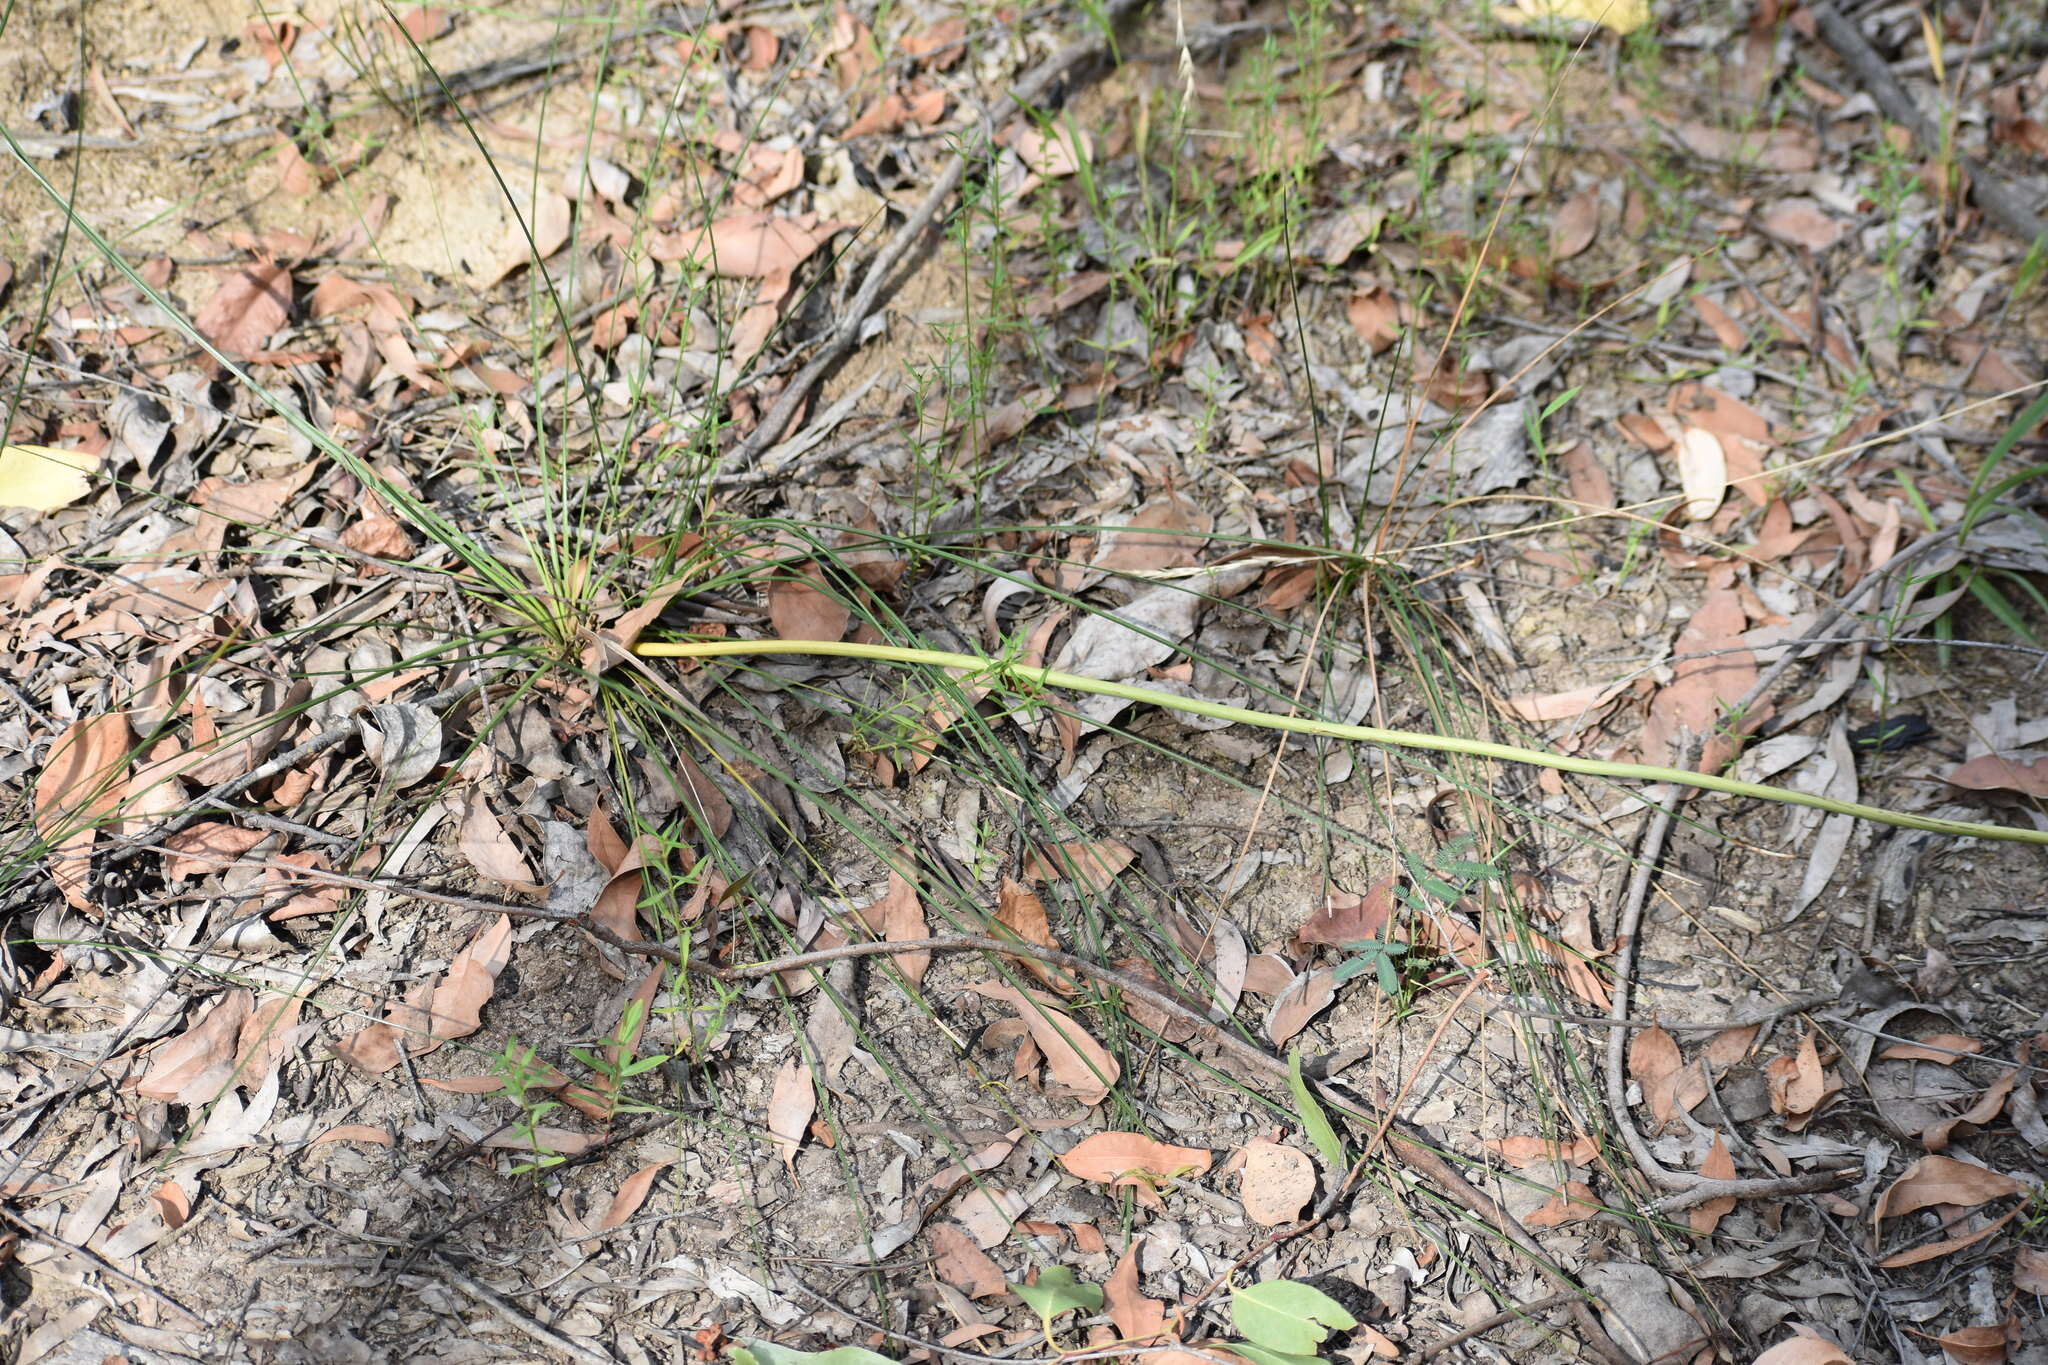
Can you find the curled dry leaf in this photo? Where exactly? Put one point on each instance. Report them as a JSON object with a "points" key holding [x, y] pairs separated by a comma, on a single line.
{"points": [[1654, 1062], [1078, 1063], [1524, 1152], [1305, 997], [1579, 702], [1275, 1182], [790, 1107], [207, 847], [198, 1065], [1980, 1345], [799, 608], [1702, 472], [1346, 919], [402, 741], [471, 978], [633, 1192], [1575, 224], [1022, 914], [746, 245], [899, 916], [1375, 315], [489, 848]]}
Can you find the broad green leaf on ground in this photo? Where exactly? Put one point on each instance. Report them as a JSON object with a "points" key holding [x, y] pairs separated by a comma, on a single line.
{"points": [[1057, 1292], [1287, 1316]]}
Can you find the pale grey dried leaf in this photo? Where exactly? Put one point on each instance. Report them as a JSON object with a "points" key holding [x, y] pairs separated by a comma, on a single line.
{"points": [[403, 741]]}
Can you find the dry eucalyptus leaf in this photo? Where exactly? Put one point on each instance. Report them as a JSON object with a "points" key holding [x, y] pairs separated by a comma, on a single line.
{"points": [[790, 1107], [1077, 1062], [1275, 1182], [403, 742]]}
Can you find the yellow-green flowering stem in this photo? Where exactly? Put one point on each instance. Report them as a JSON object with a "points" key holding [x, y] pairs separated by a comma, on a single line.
{"points": [[1021, 678]]}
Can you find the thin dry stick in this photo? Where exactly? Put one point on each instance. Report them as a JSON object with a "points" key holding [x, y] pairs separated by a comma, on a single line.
{"points": [[879, 271]]}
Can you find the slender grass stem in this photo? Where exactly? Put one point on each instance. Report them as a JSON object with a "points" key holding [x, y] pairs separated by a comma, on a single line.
{"points": [[1026, 679]]}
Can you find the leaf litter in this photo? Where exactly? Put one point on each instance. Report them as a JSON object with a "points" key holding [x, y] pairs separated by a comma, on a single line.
{"points": [[410, 794]]}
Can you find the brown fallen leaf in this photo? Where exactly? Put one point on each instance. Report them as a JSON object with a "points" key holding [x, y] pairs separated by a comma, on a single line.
{"points": [[1936, 1250], [198, 1065], [1375, 315], [1139, 1320], [1713, 671], [466, 987], [1524, 1152], [2030, 1271], [1132, 1159], [790, 1107], [1654, 1062], [1077, 1062], [1803, 222], [1941, 1180], [1943, 1049], [1805, 1350], [633, 1192], [1574, 1203], [1168, 532], [247, 310], [81, 783], [1717, 1165], [1021, 913], [962, 1264], [1275, 1182], [1575, 224], [1305, 997], [1797, 1083], [899, 916], [1979, 1345], [489, 849], [1994, 772], [208, 846], [799, 608], [745, 245], [1346, 919], [1591, 487], [1092, 864], [1578, 703]]}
